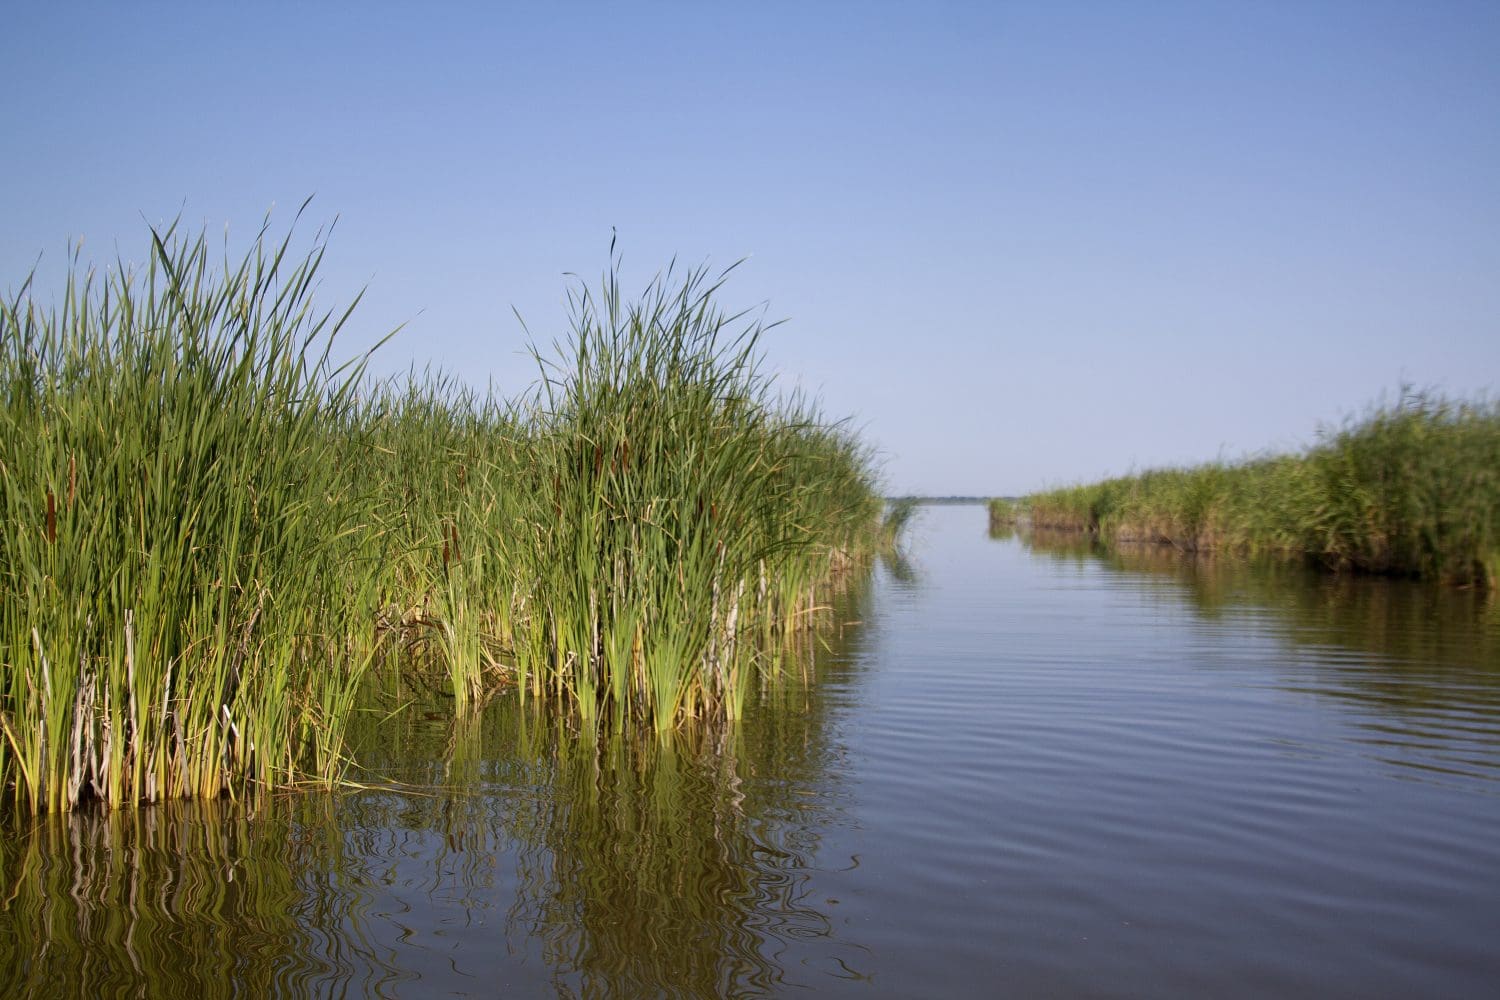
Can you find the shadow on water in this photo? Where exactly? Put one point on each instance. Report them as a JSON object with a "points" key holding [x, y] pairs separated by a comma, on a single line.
{"points": [[501, 851], [1420, 662]]}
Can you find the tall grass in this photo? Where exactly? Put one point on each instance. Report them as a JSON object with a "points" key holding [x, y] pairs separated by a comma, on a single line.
{"points": [[671, 504], [211, 530], [174, 615], [1410, 488]]}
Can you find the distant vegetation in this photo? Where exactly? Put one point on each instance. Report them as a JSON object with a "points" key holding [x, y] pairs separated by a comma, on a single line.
{"points": [[941, 501], [1412, 488], [1006, 512], [210, 531]]}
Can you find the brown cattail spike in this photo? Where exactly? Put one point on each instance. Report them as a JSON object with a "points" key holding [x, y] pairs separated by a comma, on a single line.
{"points": [[51, 518]]}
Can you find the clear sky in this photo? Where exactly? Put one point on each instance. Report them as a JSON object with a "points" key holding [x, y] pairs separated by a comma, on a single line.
{"points": [[1021, 244]]}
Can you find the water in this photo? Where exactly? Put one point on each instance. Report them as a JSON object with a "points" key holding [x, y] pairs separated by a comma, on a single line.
{"points": [[1020, 768]]}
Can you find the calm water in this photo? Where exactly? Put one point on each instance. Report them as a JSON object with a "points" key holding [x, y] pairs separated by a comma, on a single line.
{"points": [[1020, 768]]}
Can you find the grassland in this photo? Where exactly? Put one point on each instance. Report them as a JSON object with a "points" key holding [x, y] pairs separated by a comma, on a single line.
{"points": [[1411, 488], [210, 529]]}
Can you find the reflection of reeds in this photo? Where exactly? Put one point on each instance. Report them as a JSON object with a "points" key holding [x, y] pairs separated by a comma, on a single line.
{"points": [[207, 900], [899, 566], [1001, 531], [1410, 630], [682, 863], [652, 866], [644, 863]]}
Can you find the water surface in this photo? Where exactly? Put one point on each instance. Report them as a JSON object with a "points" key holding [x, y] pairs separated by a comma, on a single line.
{"points": [[1017, 766]]}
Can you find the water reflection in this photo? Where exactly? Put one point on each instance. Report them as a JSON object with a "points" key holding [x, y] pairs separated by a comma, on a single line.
{"points": [[608, 864], [498, 852], [1418, 664], [663, 864], [202, 900]]}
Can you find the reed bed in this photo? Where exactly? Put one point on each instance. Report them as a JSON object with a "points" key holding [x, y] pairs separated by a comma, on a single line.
{"points": [[674, 509], [1411, 488], [174, 616], [1006, 514], [212, 530]]}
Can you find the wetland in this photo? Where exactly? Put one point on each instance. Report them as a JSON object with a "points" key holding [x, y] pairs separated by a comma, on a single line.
{"points": [[1009, 764]]}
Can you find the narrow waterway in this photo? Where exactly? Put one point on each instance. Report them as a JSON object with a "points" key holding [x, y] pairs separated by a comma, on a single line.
{"points": [[1013, 766]]}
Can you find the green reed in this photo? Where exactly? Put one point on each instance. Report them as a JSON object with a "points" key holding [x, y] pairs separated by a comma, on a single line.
{"points": [[1411, 488], [1006, 514], [668, 497], [176, 615], [212, 531]]}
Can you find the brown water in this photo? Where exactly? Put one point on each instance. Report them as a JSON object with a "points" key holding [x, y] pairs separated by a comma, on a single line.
{"points": [[1028, 769]]}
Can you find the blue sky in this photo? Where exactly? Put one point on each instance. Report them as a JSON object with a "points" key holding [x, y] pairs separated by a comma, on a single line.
{"points": [[1020, 244]]}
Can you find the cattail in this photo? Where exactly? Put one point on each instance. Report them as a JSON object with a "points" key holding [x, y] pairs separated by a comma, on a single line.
{"points": [[51, 518]]}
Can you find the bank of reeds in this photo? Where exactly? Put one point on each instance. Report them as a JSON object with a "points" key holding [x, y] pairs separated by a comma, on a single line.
{"points": [[177, 610], [211, 530], [672, 512], [1411, 488], [1006, 514]]}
